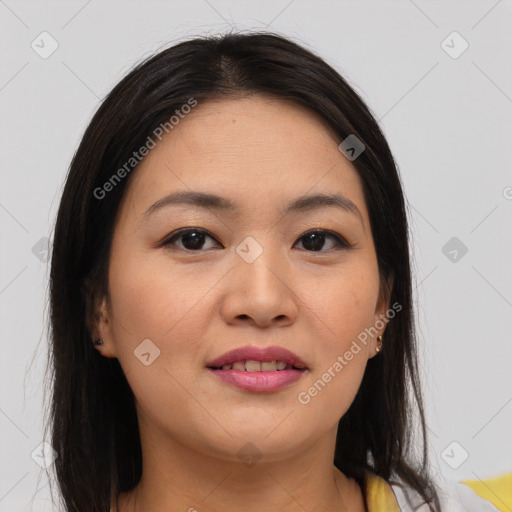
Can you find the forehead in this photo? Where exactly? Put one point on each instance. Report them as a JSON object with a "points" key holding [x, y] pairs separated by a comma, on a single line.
{"points": [[256, 150]]}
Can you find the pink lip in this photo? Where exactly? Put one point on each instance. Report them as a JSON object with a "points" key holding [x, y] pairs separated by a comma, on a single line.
{"points": [[259, 381], [254, 353]]}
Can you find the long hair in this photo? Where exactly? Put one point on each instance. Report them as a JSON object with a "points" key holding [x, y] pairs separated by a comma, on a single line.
{"points": [[92, 415]]}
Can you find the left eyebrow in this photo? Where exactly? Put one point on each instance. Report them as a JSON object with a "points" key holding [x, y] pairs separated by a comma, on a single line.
{"points": [[215, 202]]}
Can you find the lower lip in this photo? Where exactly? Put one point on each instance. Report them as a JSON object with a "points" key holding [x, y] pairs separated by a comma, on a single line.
{"points": [[259, 381]]}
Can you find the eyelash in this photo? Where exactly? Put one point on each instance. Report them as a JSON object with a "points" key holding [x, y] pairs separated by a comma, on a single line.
{"points": [[329, 234]]}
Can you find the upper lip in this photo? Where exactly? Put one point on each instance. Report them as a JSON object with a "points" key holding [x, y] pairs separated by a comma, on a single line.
{"points": [[253, 353]]}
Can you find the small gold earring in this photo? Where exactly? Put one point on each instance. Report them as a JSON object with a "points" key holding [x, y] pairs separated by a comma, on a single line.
{"points": [[379, 346]]}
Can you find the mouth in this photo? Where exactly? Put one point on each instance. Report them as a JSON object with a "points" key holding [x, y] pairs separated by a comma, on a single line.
{"points": [[258, 369], [253, 359], [258, 366]]}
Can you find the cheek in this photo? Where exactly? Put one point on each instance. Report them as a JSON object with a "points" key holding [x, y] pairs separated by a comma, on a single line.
{"points": [[341, 356], [344, 310], [151, 303], [171, 306], [153, 297], [348, 312], [345, 303]]}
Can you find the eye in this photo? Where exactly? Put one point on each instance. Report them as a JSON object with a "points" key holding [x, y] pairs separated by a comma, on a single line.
{"points": [[315, 239], [192, 239]]}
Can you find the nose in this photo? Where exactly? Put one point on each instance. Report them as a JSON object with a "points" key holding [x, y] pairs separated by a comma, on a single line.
{"points": [[260, 293]]}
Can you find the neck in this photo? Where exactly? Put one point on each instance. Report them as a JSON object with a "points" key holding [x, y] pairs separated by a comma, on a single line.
{"points": [[178, 477]]}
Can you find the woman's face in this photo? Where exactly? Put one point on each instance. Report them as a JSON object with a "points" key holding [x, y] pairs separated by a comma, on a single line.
{"points": [[249, 276]]}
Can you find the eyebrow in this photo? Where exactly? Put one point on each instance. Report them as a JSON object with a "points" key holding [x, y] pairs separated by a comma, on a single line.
{"points": [[218, 203]]}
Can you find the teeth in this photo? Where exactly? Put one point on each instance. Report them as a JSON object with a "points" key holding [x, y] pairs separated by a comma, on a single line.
{"points": [[253, 366], [269, 366], [257, 366]]}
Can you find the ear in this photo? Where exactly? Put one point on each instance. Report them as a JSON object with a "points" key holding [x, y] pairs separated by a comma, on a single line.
{"points": [[380, 318], [384, 299], [98, 319]]}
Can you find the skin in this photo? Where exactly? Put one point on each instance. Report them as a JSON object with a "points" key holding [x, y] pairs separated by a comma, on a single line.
{"points": [[196, 305]]}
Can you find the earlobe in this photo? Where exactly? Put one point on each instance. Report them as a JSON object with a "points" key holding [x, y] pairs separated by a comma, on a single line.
{"points": [[99, 345], [379, 343], [378, 347]]}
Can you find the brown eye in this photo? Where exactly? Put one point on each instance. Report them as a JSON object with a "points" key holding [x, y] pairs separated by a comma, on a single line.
{"points": [[193, 239], [313, 241]]}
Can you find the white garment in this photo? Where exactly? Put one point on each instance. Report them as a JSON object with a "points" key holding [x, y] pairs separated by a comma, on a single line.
{"points": [[453, 497]]}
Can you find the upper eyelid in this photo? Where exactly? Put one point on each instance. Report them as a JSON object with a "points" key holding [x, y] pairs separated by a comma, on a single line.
{"points": [[175, 236]]}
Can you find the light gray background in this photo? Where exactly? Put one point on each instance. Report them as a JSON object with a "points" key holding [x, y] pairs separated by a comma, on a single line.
{"points": [[448, 121]]}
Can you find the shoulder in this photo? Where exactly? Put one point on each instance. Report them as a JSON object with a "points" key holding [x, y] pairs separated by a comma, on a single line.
{"points": [[489, 495]]}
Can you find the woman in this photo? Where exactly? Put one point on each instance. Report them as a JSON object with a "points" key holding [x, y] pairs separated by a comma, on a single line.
{"points": [[231, 294]]}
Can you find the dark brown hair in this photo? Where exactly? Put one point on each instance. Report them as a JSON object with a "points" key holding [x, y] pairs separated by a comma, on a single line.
{"points": [[92, 413]]}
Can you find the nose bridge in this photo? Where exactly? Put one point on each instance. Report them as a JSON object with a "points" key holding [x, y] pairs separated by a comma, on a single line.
{"points": [[258, 286], [259, 261]]}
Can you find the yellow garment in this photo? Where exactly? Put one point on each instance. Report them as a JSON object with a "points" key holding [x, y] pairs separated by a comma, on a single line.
{"points": [[380, 495], [496, 490]]}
